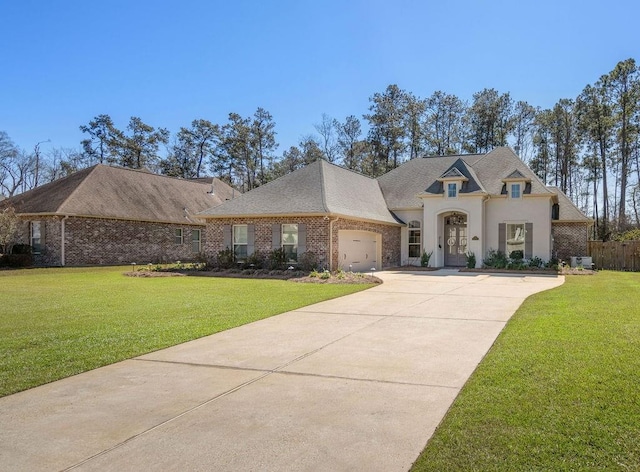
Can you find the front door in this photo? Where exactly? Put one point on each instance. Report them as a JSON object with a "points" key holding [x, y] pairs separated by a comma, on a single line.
{"points": [[455, 238]]}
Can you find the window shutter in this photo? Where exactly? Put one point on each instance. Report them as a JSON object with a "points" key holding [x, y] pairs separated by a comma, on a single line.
{"points": [[302, 239], [528, 240], [502, 237], [251, 239], [43, 235], [276, 235], [226, 237]]}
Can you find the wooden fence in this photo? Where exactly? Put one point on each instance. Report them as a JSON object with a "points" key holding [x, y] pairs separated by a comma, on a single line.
{"points": [[615, 255]]}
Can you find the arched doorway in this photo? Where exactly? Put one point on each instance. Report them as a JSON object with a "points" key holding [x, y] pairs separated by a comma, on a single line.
{"points": [[455, 240]]}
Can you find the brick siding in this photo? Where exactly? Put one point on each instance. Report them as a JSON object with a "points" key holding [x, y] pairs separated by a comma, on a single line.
{"points": [[101, 241], [569, 239], [317, 236]]}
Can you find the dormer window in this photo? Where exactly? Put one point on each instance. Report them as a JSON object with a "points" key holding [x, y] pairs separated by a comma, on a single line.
{"points": [[452, 190], [516, 185], [516, 190]]}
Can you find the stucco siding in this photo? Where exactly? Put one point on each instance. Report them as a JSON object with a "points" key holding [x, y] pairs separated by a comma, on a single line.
{"points": [[535, 210]]}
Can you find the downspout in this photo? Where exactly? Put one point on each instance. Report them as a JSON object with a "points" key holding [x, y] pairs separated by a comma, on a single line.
{"points": [[331, 221], [62, 238], [484, 228]]}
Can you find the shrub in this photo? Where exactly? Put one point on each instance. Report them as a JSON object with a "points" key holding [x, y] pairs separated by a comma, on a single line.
{"points": [[21, 249], [314, 273], [496, 259], [516, 255], [225, 259], [277, 259], [471, 260], [325, 274], [16, 260], [536, 262], [424, 259], [257, 260], [553, 263], [308, 261]]}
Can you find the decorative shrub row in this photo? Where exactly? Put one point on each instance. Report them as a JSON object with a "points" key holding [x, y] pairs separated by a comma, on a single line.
{"points": [[20, 256], [516, 261], [272, 260]]}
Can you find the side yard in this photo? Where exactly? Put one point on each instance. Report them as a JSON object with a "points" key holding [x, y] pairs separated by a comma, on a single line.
{"points": [[558, 390], [59, 322]]}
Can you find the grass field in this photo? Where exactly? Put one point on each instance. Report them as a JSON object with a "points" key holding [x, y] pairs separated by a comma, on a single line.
{"points": [[58, 322], [560, 389]]}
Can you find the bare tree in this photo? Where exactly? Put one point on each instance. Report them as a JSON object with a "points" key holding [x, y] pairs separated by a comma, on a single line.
{"points": [[327, 129]]}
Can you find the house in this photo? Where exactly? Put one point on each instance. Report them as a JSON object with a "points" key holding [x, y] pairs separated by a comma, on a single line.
{"points": [[446, 206], [112, 215]]}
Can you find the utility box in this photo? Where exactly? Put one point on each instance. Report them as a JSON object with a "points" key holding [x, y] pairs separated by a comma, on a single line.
{"points": [[581, 261]]}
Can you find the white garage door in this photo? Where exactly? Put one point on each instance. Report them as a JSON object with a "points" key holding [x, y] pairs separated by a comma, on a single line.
{"points": [[358, 250]]}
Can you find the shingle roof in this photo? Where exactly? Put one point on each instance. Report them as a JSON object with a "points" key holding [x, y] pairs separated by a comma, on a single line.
{"points": [[320, 188], [569, 212], [115, 192], [485, 172], [515, 175]]}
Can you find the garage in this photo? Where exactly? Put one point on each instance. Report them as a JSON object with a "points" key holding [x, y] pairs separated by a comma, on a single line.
{"points": [[359, 250]]}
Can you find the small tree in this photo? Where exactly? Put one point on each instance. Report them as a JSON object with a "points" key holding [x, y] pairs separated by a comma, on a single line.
{"points": [[8, 228]]}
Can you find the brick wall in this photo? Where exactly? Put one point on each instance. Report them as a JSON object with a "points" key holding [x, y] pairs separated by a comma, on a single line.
{"points": [[101, 241], [569, 239], [317, 236]]}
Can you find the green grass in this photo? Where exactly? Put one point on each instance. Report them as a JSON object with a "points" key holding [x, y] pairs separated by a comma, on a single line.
{"points": [[560, 389], [58, 322]]}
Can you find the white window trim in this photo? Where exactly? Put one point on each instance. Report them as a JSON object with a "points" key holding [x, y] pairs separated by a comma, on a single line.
{"points": [[506, 236], [199, 240], [233, 238], [419, 243], [283, 243], [31, 237], [520, 188], [457, 186]]}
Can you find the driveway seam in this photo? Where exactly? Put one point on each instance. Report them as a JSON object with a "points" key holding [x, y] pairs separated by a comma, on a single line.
{"points": [[215, 398]]}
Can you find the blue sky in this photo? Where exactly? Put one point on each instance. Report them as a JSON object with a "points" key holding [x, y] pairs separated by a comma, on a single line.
{"points": [[64, 62]]}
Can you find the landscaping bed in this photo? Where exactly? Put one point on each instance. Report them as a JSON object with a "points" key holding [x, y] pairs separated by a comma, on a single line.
{"points": [[324, 277]]}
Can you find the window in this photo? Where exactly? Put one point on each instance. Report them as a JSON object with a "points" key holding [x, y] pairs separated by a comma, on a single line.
{"points": [[290, 242], [452, 190], [240, 242], [414, 239], [36, 237], [515, 238], [178, 239], [195, 240], [515, 191]]}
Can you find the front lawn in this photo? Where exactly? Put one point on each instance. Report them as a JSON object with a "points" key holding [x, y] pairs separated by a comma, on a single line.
{"points": [[58, 322], [559, 390]]}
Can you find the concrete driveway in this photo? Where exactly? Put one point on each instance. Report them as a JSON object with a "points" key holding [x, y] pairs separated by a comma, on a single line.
{"points": [[355, 383]]}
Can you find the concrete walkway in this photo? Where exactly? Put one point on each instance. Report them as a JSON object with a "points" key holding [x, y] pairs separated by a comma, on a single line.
{"points": [[355, 383]]}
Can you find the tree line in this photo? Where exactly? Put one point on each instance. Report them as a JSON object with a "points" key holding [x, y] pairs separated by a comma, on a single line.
{"points": [[588, 146]]}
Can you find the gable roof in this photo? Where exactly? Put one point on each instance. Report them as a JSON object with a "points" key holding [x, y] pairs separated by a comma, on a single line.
{"points": [[485, 172], [114, 192], [320, 188], [569, 212], [515, 175]]}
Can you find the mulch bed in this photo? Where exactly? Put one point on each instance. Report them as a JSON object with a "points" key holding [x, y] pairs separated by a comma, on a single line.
{"points": [[294, 276]]}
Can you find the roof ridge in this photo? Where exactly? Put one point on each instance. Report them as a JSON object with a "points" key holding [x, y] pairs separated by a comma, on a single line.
{"points": [[323, 191], [82, 182]]}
